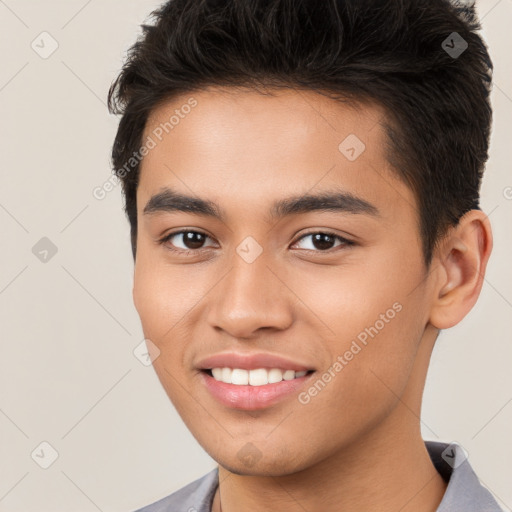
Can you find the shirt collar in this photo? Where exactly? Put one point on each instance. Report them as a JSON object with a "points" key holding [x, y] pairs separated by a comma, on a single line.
{"points": [[464, 492]]}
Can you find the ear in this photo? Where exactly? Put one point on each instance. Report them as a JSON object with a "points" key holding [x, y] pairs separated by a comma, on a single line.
{"points": [[460, 261]]}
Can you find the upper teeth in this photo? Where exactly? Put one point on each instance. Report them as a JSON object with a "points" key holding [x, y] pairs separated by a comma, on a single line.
{"points": [[257, 377]]}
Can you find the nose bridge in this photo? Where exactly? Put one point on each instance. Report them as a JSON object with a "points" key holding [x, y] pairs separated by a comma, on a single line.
{"points": [[249, 297]]}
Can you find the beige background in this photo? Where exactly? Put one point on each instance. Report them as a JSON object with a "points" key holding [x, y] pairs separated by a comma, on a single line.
{"points": [[68, 375]]}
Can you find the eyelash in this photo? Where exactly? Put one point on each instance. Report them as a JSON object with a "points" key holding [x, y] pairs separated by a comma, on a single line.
{"points": [[187, 252]]}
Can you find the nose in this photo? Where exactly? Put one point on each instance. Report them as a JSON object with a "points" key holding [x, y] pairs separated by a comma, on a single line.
{"points": [[251, 297]]}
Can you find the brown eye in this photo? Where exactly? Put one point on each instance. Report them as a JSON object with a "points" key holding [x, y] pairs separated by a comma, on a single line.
{"points": [[189, 240], [323, 241]]}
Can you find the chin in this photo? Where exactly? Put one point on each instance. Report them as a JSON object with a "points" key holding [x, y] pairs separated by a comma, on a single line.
{"points": [[259, 470], [250, 462]]}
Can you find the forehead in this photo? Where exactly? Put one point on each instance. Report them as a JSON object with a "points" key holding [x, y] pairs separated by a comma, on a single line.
{"points": [[256, 146], [240, 112]]}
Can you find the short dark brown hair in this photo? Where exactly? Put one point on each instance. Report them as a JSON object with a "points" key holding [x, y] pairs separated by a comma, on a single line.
{"points": [[421, 60]]}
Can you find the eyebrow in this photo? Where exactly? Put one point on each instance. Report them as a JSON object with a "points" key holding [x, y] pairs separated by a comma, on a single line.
{"points": [[168, 200]]}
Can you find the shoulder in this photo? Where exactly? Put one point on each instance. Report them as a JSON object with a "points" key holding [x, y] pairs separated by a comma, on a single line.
{"points": [[194, 497]]}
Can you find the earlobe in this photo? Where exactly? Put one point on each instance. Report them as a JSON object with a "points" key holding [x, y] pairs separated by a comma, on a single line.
{"points": [[461, 259]]}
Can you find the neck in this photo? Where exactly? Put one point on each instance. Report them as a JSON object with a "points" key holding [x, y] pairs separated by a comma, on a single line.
{"points": [[386, 469], [366, 476]]}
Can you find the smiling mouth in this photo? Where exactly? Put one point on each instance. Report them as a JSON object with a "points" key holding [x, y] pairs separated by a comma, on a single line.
{"points": [[256, 377]]}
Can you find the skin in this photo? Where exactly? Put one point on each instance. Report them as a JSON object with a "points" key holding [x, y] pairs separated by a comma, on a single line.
{"points": [[357, 444]]}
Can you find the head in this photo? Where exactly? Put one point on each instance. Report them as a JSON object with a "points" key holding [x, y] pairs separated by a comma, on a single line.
{"points": [[326, 158]]}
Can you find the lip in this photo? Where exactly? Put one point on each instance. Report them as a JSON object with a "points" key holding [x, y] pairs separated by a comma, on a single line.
{"points": [[250, 361], [252, 398]]}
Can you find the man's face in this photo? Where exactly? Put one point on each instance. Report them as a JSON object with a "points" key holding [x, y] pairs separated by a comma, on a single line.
{"points": [[266, 280]]}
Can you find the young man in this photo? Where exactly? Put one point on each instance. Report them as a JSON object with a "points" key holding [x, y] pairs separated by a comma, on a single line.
{"points": [[301, 178]]}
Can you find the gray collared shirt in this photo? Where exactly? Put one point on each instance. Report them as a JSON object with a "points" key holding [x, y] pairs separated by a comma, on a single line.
{"points": [[464, 492]]}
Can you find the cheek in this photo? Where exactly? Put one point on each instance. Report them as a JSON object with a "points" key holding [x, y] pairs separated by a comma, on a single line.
{"points": [[168, 303], [150, 298], [162, 296], [357, 296], [372, 325], [161, 304]]}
